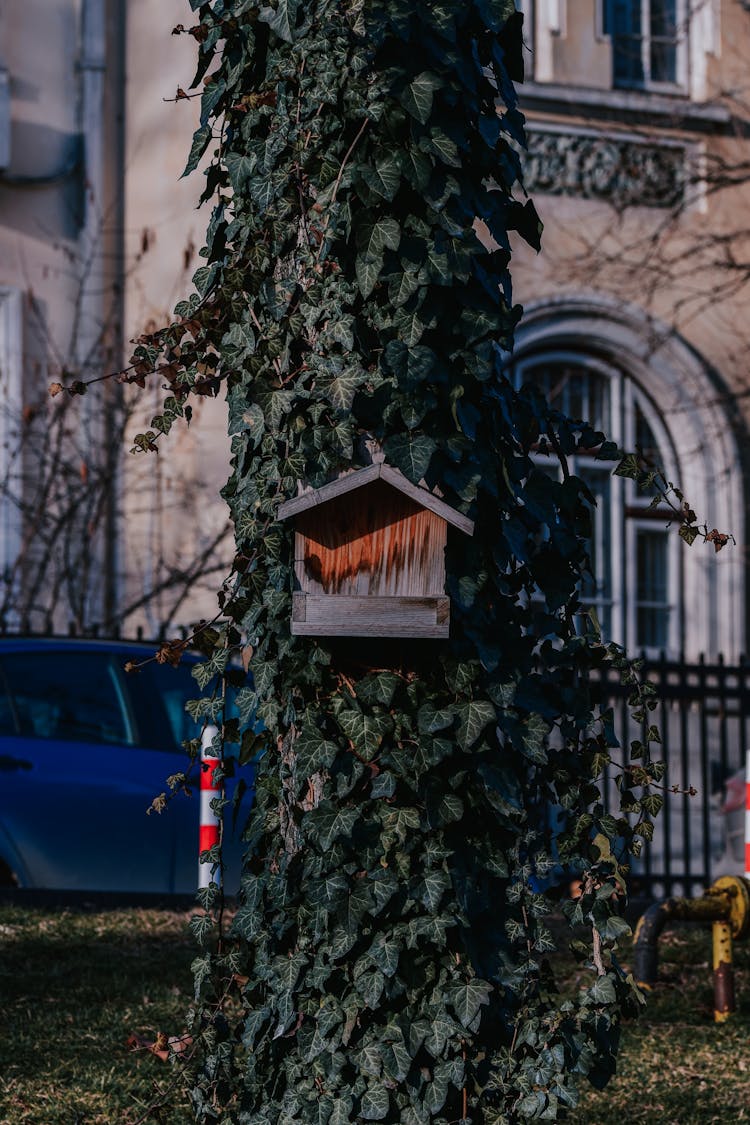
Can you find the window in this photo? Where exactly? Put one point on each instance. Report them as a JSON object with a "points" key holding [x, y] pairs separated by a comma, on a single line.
{"points": [[648, 48], [66, 697], [635, 585]]}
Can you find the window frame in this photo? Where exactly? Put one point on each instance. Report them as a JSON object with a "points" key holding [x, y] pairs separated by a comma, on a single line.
{"points": [[629, 511], [681, 83]]}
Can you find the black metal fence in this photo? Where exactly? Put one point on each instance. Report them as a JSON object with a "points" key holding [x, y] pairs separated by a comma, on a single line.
{"points": [[702, 714]]}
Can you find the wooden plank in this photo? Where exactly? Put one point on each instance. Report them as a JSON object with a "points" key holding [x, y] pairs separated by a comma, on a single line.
{"points": [[377, 542], [299, 608], [314, 496], [426, 498], [330, 616]]}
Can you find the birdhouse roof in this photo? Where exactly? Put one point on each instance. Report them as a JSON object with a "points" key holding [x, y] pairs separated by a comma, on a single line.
{"points": [[360, 477]]}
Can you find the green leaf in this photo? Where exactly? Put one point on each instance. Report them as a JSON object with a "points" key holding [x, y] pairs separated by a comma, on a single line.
{"points": [[410, 453], [340, 389], [375, 1103], [368, 269], [473, 719], [281, 18], [240, 167], [328, 826], [314, 752], [378, 688], [602, 991], [365, 731], [383, 234], [417, 97], [402, 288], [385, 952], [396, 1060], [201, 141], [467, 999], [433, 887], [385, 177]]}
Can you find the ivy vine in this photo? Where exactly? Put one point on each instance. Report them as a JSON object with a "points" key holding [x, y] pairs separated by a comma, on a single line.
{"points": [[388, 960]]}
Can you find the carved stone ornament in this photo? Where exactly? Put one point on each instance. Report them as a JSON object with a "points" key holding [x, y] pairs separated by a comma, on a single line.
{"points": [[622, 172]]}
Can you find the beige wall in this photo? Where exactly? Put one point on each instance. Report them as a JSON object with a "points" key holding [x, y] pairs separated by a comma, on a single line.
{"points": [[110, 252], [173, 511]]}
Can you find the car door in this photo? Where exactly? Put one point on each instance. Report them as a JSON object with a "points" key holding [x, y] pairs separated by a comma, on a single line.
{"points": [[76, 785], [158, 694]]}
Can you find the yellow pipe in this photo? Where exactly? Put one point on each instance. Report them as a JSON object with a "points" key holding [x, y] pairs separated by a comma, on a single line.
{"points": [[726, 905], [724, 1004]]}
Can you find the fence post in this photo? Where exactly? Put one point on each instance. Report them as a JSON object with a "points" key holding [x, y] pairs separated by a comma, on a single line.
{"points": [[209, 831]]}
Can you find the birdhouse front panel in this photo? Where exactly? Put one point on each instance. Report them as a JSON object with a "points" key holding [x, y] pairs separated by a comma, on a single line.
{"points": [[375, 542], [370, 557]]}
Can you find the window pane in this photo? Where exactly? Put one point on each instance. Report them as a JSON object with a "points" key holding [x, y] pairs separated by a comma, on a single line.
{"points": [[663, 61], [65, 695], [652, 577], [596, 588], [664, 19], [623, 24], [575, 391], [663, 40], [647, 445]]}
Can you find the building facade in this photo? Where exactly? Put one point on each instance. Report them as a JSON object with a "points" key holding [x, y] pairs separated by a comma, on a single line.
{"points": [[98, 240], [636, 309]]}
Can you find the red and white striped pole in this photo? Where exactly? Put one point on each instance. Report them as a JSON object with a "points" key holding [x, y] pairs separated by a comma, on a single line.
{"points": [[747, 815], [209, 823]]}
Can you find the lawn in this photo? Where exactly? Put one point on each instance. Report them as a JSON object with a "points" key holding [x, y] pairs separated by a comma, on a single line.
{"points": [[75, 985]]}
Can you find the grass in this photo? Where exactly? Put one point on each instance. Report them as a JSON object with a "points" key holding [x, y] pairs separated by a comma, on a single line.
{"points": [[74, 986], [676, 1067]]}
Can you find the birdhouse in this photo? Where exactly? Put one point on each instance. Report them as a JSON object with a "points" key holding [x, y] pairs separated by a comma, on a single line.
{"points": [[369, 557]]}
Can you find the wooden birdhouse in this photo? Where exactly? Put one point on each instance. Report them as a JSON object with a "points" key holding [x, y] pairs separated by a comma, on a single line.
{"points": [[370, 557]]}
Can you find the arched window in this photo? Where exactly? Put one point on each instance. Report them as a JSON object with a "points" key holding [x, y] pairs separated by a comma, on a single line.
{"points": [[636, 584], [643, 385]]}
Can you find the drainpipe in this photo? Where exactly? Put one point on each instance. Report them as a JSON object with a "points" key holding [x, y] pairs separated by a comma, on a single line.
{"points": [[89, 322]]}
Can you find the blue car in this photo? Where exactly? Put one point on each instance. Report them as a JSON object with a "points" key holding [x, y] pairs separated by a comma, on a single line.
{"points": [[84, 749]]}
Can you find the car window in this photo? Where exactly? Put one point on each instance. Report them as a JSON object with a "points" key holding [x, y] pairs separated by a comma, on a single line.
{"points": [[70, 696], [158, 694]]}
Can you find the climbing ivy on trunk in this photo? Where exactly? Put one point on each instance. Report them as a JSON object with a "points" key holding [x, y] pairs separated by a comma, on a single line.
{"points": [[420, 807]]}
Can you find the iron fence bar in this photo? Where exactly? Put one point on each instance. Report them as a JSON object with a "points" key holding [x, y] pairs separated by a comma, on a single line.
{"points": [[685, 779]]}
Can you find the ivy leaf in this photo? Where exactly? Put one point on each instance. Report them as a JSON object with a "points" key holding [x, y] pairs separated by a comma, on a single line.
{"points": [[602, 991], [385, 952], [396, 1060], [240, 166], [365, 731], [328, 826], [383, 234], [201, 141], [385, 177], [433, 887], [314, 752], [467, 999], [417, 97], [533, 738], [410, 454], [281, 18], [375, 1103], [341, 389], [367, 268], [379, 688], [341, 1112], [473, 718], [370, 1060]]}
